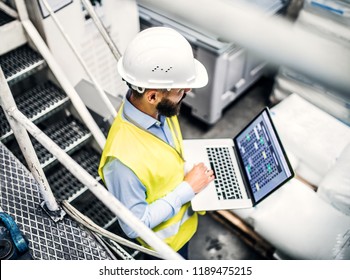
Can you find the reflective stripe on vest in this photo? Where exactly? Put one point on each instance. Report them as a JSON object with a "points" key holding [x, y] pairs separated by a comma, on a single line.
{"points": [[173, 229]]}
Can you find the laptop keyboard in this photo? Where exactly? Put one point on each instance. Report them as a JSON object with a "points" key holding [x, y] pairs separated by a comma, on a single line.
{"points": [[225, 181]]}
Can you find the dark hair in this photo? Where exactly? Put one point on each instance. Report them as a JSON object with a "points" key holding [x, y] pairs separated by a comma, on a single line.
{"points": [[136, 94]]}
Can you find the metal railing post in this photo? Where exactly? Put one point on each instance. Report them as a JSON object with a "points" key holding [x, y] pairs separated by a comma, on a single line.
{"points": [[102, 29], [8, 104], [100, 90], [8, 10], [21, 9], [59, 74]]}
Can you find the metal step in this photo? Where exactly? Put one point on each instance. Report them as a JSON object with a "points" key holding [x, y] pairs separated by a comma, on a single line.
{"points": [[21, 63], [20, 197], [64, 185], [93, 208], [37, 104], [68, 133]]}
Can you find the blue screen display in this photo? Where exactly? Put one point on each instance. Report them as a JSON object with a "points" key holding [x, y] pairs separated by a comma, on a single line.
{"points": [[264, 161]]}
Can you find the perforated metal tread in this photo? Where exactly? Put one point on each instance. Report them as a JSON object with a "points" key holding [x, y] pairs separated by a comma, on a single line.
{"points": [[93, 208], [21, 199], [5, 129], [37, 104], [5, 18], [64, 185], [20, 63], [68, 133], [41, 100]]}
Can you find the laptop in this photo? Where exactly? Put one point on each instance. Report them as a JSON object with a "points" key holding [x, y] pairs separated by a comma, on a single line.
{"points": [[247, 168]]}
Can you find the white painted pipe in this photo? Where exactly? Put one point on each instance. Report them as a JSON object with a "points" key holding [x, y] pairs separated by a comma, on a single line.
{"points": [[8, 104], [271, 37], [101, 29], [79, 217], [8, 10], [97, 189], [100, 90]]}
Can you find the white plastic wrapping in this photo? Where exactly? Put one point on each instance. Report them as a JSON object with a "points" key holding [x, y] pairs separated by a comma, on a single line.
{"points": [[335, 187], [313, 136], [301, 225]]}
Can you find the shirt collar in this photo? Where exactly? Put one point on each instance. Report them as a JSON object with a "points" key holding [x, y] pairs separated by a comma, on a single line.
{"points": [[143, 120]]}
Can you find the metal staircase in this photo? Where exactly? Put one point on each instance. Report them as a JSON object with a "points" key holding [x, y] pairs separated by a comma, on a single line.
{"points": [[41, 98], [37, 98]]}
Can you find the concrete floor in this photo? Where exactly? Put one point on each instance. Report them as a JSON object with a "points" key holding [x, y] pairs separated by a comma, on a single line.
{"points": [[234, 117], [214, 240]]}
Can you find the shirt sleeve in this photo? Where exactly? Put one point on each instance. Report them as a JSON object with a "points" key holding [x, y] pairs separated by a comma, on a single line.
{"points": [[127, 188]]}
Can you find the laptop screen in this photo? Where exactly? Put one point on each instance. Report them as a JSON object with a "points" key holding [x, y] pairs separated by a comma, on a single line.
{"points": [[262, 157]]}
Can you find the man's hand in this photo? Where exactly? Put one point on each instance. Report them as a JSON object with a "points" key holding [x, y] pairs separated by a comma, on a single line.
{"points": [[199, 177]]}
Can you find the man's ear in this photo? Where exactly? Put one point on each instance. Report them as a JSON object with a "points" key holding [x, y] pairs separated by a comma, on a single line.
{"points": [[152, 96]]}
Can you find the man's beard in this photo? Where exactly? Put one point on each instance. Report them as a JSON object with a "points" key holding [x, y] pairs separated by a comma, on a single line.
{"points": [[169, 108]]}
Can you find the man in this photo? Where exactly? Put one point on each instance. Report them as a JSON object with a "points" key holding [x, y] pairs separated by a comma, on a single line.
{"points": [[142, 163]]}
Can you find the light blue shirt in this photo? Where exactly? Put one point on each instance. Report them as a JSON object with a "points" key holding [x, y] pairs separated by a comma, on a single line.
{"points": [[125, 185]]}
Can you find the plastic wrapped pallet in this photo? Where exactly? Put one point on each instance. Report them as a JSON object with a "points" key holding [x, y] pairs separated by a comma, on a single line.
{"points": [[335, 186], [288, 82], [313, 136], [301, 225]]}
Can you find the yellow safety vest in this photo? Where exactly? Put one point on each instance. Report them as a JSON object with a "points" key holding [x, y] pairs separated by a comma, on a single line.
{"points": [[159, 167]]}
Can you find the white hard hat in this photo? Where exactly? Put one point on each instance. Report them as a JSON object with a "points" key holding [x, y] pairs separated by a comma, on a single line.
{"points": [[160, 57]]}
